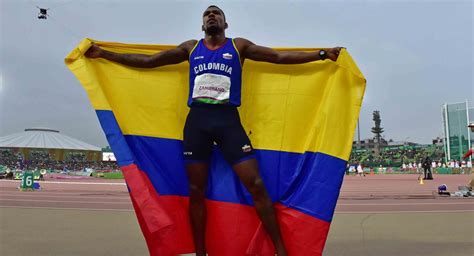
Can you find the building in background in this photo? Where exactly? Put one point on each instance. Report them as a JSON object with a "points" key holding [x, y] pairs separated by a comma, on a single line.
{"points": [[457, 136], [368, 144], [48, 142]]}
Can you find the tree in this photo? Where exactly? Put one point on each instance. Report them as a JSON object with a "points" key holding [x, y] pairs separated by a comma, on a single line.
{"points": [[377, 130]]}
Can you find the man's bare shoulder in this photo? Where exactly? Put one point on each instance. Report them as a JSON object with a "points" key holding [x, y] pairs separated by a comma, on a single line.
{"points": [[242, 43], [188, 45]]}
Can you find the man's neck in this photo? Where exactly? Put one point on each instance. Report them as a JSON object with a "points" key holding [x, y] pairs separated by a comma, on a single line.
{"points": [[214, 41]]}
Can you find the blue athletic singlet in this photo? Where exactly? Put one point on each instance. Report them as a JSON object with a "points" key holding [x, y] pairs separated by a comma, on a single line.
{"points": [[215, 76]]}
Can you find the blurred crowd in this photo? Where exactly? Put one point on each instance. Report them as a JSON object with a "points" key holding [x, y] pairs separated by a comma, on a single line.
{"points": [[398, 157], [74, 161]]}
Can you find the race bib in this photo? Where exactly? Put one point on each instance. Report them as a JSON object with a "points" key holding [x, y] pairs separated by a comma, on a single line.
{"points": [[211, 89]]}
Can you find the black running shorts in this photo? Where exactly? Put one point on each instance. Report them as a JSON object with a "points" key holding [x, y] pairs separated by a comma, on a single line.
{"points": [[207, 125]]}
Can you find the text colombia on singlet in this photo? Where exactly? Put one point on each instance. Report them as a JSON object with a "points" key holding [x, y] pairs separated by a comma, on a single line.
{"points": [[212, 66]]}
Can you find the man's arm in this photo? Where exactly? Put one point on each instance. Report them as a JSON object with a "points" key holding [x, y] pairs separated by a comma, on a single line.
{"points": [[171, 56], [260, 53]]}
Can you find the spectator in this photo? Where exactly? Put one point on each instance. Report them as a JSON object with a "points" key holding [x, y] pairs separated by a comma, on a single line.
{"points": [[381, 170], [360, 170], [427, 169]]}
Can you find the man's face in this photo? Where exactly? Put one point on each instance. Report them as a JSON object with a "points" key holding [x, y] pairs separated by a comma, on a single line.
{"points": [[213, 21]]}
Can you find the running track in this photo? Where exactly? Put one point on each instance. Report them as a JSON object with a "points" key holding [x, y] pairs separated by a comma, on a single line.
{"points": [[371, 194]]}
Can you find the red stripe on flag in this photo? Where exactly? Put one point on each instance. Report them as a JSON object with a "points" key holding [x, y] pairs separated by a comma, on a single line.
{"points": [[235, 230], [162, 219], [232, 229], [303, 234]]}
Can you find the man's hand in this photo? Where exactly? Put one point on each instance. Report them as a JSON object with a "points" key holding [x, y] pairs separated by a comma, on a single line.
{"points": [[94, 52], [167, 57], [333, 53]]}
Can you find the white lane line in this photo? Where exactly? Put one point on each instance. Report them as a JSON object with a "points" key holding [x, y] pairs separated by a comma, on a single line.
{"points": [[59, 208], [54, 201], [454, 203], [131, 210], [73, 182], [60, 192], [126, 197], [389, 212], [2, 196]]}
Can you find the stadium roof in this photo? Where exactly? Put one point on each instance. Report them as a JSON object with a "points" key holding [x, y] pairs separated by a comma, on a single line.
{"points": [[44, 138]]}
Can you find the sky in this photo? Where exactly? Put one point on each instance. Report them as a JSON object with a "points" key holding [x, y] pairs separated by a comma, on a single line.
{"points": [[416, 55]]}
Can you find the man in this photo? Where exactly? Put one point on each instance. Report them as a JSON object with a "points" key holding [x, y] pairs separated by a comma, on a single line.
{"points": [[427, 168], [214, 95]]}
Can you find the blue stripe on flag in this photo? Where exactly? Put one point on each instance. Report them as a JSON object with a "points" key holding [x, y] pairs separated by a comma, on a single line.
{"points": [[308, 182], [115, 137]]}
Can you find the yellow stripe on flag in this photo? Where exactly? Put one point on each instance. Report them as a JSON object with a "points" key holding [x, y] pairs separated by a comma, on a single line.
{"points": [[293, 108]]}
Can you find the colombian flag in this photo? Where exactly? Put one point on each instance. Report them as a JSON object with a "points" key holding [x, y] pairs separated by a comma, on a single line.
{"points": [[301, 120]]}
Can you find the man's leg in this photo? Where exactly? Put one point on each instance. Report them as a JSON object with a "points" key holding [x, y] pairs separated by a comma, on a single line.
{"points": [[235, 145], [249, 175], [197, 174], [197, 149]]}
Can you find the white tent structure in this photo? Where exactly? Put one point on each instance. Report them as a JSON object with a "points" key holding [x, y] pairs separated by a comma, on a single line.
{"points": [[48, 139]]}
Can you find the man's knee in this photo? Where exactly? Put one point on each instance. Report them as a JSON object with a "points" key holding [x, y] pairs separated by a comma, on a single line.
{"points": [[257, 188]]}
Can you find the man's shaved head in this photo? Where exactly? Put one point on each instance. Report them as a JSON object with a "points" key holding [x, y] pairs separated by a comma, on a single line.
{"points": [[217, 7], [213, 20]]}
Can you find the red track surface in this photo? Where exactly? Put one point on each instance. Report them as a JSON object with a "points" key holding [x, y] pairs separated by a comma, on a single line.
{"points": [[374, 194]]}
